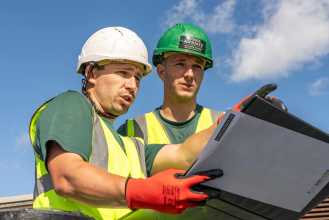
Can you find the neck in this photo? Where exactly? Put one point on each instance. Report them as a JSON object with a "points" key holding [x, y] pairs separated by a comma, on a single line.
{"points": [[98, 107], [178, 111]]}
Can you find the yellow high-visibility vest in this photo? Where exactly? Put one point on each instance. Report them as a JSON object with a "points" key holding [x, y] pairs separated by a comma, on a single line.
{"points": [[155, 133], [106, 153]]}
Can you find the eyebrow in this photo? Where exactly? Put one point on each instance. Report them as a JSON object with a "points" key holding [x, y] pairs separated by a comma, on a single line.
{"points": [[126, 68], [130, 69], [179, 59]]}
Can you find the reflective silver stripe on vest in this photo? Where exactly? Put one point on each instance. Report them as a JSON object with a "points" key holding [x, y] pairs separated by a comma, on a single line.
{"points": [[42, 185], [99, 154], [141, 152], [142, 124]]}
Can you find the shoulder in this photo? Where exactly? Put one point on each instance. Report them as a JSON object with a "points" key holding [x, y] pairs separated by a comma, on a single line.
{"points": [[204, 108], [68, 107], [206, 111], [134, 127], [142, 116], [69, 101], [70, 97], [138, 120], [67, 119]]}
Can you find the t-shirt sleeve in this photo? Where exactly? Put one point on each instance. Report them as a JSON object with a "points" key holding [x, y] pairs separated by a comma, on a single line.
{"points": [[151, 150], [67, 120]]}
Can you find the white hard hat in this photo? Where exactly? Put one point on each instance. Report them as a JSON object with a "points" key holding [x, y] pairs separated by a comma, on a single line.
{"points": [[114, 43]]}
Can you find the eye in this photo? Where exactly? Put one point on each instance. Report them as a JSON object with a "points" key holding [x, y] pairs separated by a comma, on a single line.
{"points": [[197, 67], [138, 78], [179, 64], [122, 73]]}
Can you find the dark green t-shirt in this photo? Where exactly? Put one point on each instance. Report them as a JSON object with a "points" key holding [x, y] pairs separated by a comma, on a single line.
{"points": [[177, 131], [68, 121]]}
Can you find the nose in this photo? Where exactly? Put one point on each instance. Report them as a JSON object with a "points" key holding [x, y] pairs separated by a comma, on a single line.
{"points": [[189, 75]]}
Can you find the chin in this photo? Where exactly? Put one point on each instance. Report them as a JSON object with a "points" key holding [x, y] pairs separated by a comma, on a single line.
{"points": [[117, 111], [123, 111], [185, 98], [186, 95]]}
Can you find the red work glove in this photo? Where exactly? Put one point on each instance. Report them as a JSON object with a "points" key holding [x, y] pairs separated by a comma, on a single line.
{"points": [[272, 99], [165, 192], [240, 105], [262, 92]]}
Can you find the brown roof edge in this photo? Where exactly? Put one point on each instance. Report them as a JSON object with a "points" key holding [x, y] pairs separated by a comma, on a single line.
{"points": [[19, 198]]}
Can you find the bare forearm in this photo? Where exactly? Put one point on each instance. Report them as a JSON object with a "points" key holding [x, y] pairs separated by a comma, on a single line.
{"points": [[95, 187], [74, 178], [193, 145], [181, 156]]}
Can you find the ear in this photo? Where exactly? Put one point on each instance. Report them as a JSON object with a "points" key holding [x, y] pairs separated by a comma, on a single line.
{"points": [[90, 74], [161, 71]]}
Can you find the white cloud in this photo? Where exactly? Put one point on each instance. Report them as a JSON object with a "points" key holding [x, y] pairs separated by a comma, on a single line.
{"points": [[179, 12], [218, 21], [295, 32], [221, 20], [319, 87]]}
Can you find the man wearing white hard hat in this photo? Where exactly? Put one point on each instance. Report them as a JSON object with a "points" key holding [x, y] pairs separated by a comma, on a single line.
{"points": [[83, 165]]}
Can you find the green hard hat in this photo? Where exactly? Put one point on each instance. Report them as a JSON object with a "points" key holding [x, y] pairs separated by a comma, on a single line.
{"points": [[184, 38]]}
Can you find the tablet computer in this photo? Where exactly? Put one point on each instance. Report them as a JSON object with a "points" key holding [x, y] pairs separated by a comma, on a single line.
{"points": [[275, 165]]}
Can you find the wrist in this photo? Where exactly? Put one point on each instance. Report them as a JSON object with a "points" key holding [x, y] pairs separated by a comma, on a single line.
{"points": [[132, 187]]}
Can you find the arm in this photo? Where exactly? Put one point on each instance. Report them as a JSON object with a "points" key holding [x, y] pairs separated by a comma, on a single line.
{"points": [[68, 120], [73, 177], [181, 156]]}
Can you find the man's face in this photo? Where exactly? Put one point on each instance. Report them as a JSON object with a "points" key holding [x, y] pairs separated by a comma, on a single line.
{"points": [[116, 86], [182, 75]]}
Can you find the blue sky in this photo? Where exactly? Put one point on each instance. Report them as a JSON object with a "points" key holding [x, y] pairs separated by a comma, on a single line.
{"points": [[254, 42]]}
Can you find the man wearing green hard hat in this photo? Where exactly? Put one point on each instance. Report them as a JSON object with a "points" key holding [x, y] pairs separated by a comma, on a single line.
{"points": [[181, 56]]}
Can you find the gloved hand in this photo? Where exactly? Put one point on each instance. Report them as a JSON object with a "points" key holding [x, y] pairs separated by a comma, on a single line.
{"points": [[165, 191], [241, 104], [262, 92], [277, 103]]}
